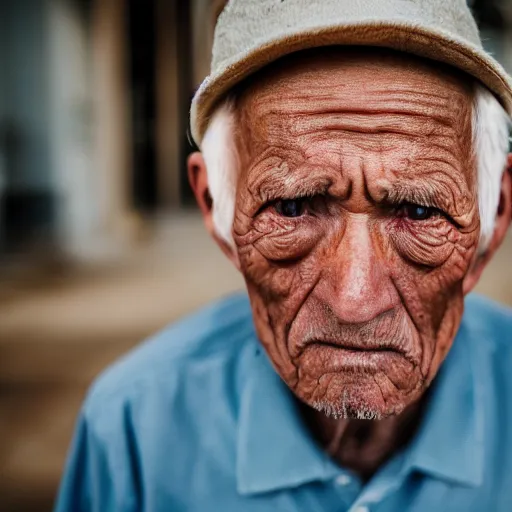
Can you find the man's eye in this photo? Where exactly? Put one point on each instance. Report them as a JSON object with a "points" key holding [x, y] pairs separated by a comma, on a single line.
{"points": [[290, 207], [417, 212]]}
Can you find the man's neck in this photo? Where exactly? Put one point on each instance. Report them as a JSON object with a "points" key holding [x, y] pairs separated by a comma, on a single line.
{"points": [[363, 446]]}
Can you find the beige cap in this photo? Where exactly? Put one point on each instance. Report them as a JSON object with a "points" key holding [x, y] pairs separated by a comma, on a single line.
{"points": [[253, 33]]}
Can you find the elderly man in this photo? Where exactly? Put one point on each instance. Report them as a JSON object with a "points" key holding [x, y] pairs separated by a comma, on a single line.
{"points": [[354, 169]]}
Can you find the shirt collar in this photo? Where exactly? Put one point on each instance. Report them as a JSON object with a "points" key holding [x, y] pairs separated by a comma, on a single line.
{"points": [[274, 450], [450, 442]]}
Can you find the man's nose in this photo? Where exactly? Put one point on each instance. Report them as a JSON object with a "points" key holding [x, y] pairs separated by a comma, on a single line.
{"points": [[355, 283]]}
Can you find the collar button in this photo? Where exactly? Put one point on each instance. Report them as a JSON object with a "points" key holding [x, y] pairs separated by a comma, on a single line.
{"points": [[343, 480]]}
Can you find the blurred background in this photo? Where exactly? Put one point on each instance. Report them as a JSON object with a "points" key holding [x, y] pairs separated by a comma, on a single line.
{"points": [[100, 244]]}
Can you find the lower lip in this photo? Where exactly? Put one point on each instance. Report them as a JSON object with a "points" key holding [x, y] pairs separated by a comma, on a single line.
{"points": [[335, 359]]}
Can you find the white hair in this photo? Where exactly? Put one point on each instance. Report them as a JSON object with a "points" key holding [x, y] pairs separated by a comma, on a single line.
{"points": [[491, 126], [491, 129], [222, 163]]}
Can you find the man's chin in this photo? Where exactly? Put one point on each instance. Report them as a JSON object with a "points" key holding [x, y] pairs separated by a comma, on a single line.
{"points": [[360, 397], [362, 384]]}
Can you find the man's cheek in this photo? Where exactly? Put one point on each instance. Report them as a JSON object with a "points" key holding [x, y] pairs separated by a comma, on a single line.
{"points": [[287, 240], [277, 291], [433, 298], [269, 280], [445, 280], [432, 259], [280, 264], [271, 319], [282, 289]]}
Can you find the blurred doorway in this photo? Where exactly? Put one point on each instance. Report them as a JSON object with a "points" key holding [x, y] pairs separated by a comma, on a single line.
{"points": [[94, 108], [160, 51], [142, 84]]}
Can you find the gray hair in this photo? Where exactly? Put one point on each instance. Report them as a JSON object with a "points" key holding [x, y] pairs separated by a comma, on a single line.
{"points": [[491, 126]]}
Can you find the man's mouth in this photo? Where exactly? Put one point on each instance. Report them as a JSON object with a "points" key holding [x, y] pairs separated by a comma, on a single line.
{"points": [[334, 357], [354, 347]]}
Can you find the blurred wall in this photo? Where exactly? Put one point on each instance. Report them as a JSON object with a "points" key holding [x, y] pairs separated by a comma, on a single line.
{"points": [[65, 136], [3, 98], [27, 88], [28, 199], [71, 125]]}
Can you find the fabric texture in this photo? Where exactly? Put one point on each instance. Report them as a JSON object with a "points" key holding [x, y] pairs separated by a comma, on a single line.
{"points": [[250, 34], [196, 419]]}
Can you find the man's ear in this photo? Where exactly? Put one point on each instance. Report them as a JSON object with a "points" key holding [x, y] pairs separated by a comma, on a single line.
{"points": [[198, 179], [503, 219]]}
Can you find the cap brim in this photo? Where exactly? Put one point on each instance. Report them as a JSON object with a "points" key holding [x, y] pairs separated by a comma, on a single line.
{"points": [[424, 42]]}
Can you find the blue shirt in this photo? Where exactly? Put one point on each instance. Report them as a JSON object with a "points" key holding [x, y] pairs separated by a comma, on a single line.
{"points": [[196, 419]]}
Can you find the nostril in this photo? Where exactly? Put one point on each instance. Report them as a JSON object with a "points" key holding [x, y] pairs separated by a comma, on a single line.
{"points": [[357, 297]]}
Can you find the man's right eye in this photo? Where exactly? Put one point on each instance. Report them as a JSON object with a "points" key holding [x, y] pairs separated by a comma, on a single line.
{"points": [[290, 208]]}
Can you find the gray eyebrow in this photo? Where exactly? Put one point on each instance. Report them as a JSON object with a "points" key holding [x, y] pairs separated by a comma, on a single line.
{"points": [[433, 194]]}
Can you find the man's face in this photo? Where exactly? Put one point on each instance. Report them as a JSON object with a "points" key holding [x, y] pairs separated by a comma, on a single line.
{"points": [[356, 222]]}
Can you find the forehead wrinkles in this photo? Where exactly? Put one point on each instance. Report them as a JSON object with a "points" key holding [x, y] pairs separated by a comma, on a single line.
{"points": [[355, 96], [275, 119], [356, 99], [416, 114]]}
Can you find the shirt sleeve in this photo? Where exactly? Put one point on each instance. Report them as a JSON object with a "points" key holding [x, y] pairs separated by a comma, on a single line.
{"points": [[95, 478]]}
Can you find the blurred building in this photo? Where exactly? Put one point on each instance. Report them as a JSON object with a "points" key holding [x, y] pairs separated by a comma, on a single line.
{"points": [[94, 98]]}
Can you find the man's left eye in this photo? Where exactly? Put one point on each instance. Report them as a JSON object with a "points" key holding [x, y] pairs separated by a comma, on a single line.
{"points": [[291, 207], [418, 212]]}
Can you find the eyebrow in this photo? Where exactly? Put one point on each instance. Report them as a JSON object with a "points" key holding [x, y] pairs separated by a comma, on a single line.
{"points": [[433, 194], [437, 190], [272, 187]]}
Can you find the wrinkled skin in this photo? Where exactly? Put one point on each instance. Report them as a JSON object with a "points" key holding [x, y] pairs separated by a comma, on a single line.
{"points": [[356, 229], [355, 300]]}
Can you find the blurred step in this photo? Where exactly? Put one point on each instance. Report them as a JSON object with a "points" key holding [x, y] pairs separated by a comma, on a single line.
{"points": [[36, 422]]}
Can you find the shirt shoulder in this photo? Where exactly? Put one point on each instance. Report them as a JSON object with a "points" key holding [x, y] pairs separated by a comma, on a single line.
{"points": [[490, 331], [488, 319], [144, 417], [216, 334]]}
